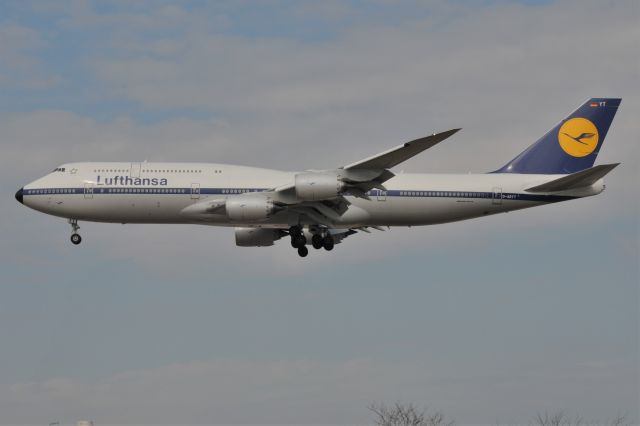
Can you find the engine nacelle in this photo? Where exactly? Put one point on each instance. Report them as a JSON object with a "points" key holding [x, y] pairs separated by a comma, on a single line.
{"points": [[314, 186], [249, 207], [257, 237]]}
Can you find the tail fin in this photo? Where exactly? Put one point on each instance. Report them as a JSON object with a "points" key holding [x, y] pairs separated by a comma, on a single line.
{"points": [[570, 146]]}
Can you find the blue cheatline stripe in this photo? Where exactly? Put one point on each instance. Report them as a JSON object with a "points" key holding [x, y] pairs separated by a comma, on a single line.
{"points": [[473, 195], [233, 191], [137, 190]]}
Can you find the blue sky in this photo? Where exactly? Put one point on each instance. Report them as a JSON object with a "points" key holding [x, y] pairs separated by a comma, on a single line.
{"points": [[492, 320]]}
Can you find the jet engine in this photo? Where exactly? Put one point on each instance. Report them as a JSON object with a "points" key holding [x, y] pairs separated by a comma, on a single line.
{"points": [[249, 207], [257, 237], [314, 186]]}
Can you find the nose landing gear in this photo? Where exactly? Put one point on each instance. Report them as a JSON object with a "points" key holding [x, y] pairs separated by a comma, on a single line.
{"points": [[75, 237]]}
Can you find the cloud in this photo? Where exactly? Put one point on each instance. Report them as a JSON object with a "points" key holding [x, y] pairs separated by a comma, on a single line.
{"points": [[142, 18], [214, 391], [377, 65], [304, 391], [19, 67]]}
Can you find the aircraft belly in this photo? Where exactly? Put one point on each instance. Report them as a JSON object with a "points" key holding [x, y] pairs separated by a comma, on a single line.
{"points": [[109, 208], [426, 211]]}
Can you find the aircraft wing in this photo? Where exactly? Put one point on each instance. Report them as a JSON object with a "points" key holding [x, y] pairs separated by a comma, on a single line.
{"points": [[399, 154], [356, 179], [373, 171]]}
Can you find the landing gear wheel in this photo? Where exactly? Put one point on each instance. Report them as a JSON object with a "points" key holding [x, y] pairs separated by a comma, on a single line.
{"points": [[298, 241], [328, 243], [303, 251], [75, 237], [297, 238], [317, 241]]}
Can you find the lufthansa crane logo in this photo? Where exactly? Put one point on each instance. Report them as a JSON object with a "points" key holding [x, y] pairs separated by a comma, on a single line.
{"points": [[578, 137]]}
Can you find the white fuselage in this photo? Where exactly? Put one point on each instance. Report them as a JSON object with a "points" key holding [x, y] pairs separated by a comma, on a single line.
{"points": [[159, 192]]}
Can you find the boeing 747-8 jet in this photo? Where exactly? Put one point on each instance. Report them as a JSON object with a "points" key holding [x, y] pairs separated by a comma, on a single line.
{"points": [[322, 207]]}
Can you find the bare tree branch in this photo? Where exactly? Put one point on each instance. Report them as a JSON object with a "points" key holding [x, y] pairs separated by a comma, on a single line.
{"points": [[406, 415], [400, 414], [561, 419]]}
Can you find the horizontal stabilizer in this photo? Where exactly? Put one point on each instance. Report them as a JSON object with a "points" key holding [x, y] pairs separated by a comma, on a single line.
{"points": [[397, 155], [576, 180]]}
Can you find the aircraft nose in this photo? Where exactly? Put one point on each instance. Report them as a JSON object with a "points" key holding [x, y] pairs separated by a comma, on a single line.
{"points": [[19, 195]]}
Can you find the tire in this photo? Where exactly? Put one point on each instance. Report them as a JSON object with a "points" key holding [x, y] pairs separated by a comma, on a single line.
{"points": [[295, 230], [303, 251], [328, 243], [76, 239], [317, 241], [298, 241]]}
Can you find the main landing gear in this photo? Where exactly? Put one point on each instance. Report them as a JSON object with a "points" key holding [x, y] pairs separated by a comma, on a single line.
{"points": [[318, 241], [75, 237], [298, 239]]}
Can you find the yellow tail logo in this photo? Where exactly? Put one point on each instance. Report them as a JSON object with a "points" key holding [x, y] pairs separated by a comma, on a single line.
{"points": [[578, 137]]}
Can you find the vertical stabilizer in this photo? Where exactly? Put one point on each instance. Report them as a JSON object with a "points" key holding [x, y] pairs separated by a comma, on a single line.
{"points": [[570, 146]]}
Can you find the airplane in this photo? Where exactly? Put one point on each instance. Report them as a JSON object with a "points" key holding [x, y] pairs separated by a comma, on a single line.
{"points": [[322, 207]]}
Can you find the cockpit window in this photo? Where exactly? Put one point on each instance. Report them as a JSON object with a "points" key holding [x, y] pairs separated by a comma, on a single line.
{"points": [[58, 169]]}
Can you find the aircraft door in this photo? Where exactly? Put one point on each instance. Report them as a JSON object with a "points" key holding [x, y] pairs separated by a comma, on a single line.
{"points": [[88, 190], [496, 198], [381, 195], [195, 191], [135, 170]]}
